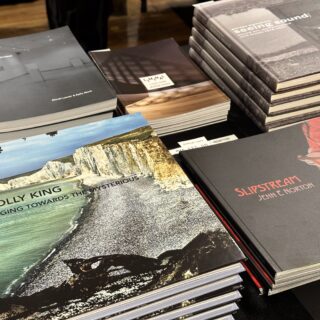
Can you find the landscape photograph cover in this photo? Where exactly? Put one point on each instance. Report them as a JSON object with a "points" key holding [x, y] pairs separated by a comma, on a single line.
{"points": [[96, 214]]}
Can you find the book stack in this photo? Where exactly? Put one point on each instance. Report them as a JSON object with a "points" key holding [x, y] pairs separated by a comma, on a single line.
{"points": [[264, 54], [160, 81], [47, 78], [99, 221], [266, 190]]}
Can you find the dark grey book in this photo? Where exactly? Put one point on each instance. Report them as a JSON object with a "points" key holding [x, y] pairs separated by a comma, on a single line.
{"points": [[47, 78], [277, 39], [271, 102], [235, 99], [270, 198], [260, 117]]}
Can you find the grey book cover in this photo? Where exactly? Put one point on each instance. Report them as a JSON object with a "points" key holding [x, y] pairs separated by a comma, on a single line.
{"points": [[277, 39], [46, 78], [265, 121], [238, 75]]}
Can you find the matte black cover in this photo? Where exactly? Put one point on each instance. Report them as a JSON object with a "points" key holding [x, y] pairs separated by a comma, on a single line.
{"points": [[269, 187], [46, 74], [277, 39]]}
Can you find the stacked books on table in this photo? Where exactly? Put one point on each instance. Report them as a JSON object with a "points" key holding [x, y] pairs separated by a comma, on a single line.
{"points": [[47, 78], [266, 190], [99, 221], [161, 82], [264, 54]]}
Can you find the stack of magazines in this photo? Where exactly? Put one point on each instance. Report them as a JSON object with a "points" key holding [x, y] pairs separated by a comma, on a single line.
{"points": [[101, 222], [160, 81], [264, 54]]}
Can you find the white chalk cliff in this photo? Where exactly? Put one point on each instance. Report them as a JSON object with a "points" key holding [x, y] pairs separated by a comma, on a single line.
{"points": [[112, 161]]}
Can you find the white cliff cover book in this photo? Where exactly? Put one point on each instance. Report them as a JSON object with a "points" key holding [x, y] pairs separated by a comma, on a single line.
{"points": [[97, 214]]}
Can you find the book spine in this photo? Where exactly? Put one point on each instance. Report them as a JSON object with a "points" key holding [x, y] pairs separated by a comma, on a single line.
{"points": [[229, 69], [238, 50], [247, 101], [237, 64], [235, 99]]}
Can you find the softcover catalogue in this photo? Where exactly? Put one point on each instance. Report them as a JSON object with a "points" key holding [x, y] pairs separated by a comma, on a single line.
{"points": [[97, 214], [268, 188], [277, 39]]}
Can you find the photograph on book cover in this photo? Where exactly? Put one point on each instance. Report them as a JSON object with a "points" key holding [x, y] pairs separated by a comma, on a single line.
{"points": [[158, 80], [96, 214]]}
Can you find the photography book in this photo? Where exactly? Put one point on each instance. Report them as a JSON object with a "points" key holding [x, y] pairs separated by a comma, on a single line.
{"points": [[187, 303], [100, 219], [277, 39], [267, 189], [47, 78], [196, 307], [260, 118], [161, 82], [271, 103]]}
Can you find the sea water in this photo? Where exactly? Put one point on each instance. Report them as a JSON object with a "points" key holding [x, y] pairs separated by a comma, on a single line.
{"points": [[31, 228]]}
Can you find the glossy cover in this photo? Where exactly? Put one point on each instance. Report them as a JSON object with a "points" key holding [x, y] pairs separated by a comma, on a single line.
{"points": [[97, 214]]}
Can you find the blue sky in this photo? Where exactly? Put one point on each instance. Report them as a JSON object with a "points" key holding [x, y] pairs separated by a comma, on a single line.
{"points": [[20, 156]]}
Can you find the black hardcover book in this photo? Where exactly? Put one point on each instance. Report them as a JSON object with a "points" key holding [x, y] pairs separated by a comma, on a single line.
{"points": [[267, 187], [277, 39], [47, 78]]}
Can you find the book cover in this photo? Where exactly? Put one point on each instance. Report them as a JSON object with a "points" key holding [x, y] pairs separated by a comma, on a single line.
{"points": [[250, 79], [287, 105], [268, 187], [97, 214], [288, 30], [158, 80], [261, 118], [46, 78]]}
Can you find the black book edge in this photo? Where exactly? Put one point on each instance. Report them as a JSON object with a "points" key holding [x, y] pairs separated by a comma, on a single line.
{"points": [[253, 265]]}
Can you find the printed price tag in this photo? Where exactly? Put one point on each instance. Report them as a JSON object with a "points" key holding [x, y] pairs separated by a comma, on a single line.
{"points": [[157, 81]]}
